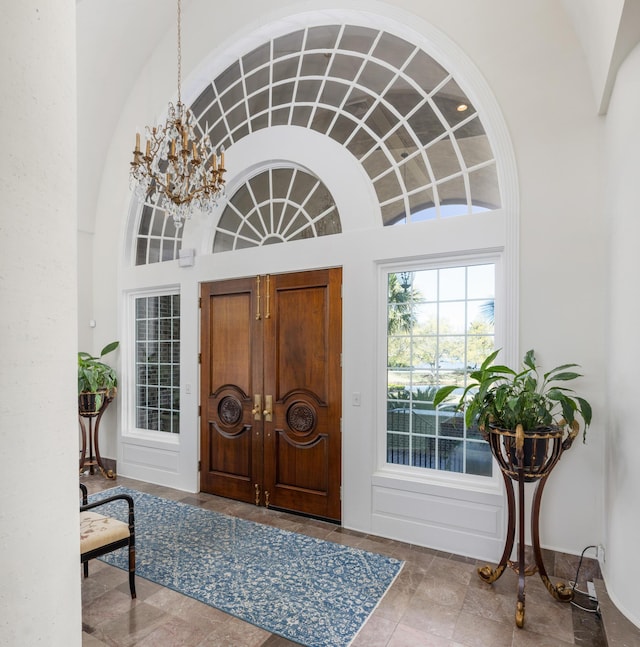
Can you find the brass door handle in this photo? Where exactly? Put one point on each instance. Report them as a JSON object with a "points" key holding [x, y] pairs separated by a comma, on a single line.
{"points": [[268, 296], [268, 412], [257, 406], [258, 315]]}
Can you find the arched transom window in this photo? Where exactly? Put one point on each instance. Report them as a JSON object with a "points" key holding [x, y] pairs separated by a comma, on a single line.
{"points": [[398, 111]]}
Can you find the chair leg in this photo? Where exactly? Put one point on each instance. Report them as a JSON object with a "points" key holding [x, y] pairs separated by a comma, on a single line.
{"points": [[86, 569], [132, 571]]}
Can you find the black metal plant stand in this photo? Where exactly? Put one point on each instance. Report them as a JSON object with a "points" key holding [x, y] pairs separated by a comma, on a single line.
{"points": [[525, 458], [91, 434]]}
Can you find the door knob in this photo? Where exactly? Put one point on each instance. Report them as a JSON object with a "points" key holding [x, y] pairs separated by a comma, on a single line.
{"points": [[268, 412]]}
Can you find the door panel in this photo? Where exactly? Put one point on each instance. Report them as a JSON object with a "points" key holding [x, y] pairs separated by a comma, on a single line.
{"points": [[231, 456], [302, 467], [276, 338]]}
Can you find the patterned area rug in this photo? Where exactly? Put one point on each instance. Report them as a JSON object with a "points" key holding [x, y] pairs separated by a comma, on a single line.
{"points": [[311, 591]]}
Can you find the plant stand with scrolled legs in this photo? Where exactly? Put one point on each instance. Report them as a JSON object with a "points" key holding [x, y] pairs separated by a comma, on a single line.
{"points": [[526, 458], [91, 434]]}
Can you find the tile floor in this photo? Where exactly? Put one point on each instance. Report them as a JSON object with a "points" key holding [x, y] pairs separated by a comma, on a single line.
{"points": [[437, 600]]}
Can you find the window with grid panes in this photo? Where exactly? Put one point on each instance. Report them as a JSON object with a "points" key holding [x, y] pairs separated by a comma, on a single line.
{"points": [[158, 363], [440, 327]]}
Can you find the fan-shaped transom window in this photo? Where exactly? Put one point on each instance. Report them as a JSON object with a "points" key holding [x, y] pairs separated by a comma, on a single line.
{"points": [[158, 239], [398, 111], [274, 206]]}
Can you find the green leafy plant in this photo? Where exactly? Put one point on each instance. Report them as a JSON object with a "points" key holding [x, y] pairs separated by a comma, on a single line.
{"points": [[93, 374], [504, 398]]}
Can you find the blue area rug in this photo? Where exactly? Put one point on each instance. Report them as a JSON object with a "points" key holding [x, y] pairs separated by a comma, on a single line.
{"points": [[311, 591]]}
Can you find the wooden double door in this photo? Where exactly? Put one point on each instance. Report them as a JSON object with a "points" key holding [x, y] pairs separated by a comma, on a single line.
{"points": [[271, 393]]}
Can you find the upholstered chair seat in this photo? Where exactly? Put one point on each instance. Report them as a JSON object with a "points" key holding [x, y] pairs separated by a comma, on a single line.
{"points": [[101, 534]]}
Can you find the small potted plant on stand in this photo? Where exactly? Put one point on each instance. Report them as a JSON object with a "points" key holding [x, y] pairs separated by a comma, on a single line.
{"points": [[529, 420], [500, 398], [97, 386], [96, 381]]}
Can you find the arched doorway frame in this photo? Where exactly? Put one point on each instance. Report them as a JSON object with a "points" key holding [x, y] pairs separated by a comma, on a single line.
{"points": [[383, 243]]}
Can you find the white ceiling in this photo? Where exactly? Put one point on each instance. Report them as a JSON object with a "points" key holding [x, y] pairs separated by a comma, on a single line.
{"points": [[115, 39]]}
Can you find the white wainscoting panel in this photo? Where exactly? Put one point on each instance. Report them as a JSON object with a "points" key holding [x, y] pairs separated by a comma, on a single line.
{"points": [[468, 522], [157, 463]]}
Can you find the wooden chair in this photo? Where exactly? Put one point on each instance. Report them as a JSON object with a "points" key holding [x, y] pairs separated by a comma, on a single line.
{"points": [[100, 534]]}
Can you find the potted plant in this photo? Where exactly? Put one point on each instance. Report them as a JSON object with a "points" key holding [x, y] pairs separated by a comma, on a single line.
{"points": [[96, 380], [524, 402]]}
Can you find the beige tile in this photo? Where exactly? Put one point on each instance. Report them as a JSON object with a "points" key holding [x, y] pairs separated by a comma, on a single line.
{"points": [[524, 638], [396, 601], [443, 591], [91, 641], [345, 537], [405, 636], [111, 605], [131, 628], [292, 525], [144, 588], [375, 633], [235, 633], [188, 609], [453, 571], [174, 631], [110, 577], [419, 561], [278, 641], [472, 631], [408, 580], [544, 614], [319, 532], [375, 545], [506, 584], [93, 588], [565, 567], [485, 602], [431, 618]]}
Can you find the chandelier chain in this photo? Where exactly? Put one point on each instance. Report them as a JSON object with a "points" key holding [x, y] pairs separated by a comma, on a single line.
{"points": [[179, 54]]}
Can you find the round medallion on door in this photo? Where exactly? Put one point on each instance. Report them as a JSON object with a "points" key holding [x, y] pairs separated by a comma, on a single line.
{"points": [[301, 417], [230, 410]]}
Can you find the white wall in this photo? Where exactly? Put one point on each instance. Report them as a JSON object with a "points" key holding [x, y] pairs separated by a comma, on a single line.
{"points": [[532, 62], [597, 23], [608, 31], [39, 543], [622, 569]]}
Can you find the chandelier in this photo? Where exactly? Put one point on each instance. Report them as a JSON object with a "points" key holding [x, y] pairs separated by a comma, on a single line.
{"points": [[183, 173]]}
